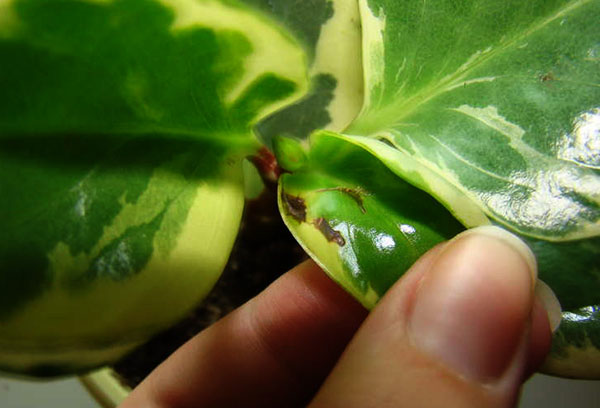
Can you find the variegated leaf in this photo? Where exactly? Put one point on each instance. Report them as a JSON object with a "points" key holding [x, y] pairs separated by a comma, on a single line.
{"points": [[123, 125], [493, 107], [363, 224], [448, 83], [330, 32]]}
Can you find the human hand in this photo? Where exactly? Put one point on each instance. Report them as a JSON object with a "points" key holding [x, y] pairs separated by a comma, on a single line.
{"points": [[462, 328]]}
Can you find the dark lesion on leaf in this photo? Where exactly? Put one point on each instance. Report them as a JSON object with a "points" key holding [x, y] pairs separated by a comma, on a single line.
{"points": [[295, 206], [328, 232], [355, 194], [385, 140], [547, 77]]}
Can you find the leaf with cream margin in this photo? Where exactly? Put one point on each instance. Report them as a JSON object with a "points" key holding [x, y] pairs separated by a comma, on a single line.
{"points": [[330, 32], [361, 223], [123, 126], [451, 82], [493, 107]]}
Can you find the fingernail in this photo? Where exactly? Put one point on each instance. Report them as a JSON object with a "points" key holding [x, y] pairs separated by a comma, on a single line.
{"points": [[473, 305], [550, 302]]}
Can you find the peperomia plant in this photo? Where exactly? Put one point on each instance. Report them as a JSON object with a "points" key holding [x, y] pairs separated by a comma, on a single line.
{"points": [[124, 125]]}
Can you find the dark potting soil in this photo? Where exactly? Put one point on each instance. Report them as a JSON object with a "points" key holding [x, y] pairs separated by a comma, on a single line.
{"points": [[264, 249]]}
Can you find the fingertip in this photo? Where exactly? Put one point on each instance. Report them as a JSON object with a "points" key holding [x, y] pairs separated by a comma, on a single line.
{"points": [[458, 322], [540, 338], [474, 303], [549, 302]]}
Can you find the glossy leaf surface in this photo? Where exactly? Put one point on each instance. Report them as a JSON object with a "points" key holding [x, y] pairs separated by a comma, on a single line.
{"points": [[493, 108], [451, 82], [572, 270], [121, 148], [357, 219]]}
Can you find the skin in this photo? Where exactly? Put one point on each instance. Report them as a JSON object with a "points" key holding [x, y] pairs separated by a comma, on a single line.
{"points": [[305, 342]]}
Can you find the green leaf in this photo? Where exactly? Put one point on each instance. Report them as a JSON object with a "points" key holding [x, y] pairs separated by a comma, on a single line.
{"points": [[97, 255], [493, 107], [576, 345], [330, 32], [290, 153], [523, 84], [304, 18], [572, 270], [194, 68], [360, 222], [123, 127]]}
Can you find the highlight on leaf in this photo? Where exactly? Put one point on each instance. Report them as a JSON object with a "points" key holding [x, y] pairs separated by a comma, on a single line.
{"points": [[127, 128]]}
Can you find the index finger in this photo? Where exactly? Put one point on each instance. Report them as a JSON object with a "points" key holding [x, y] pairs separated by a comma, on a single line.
{"points": [[275, 350]]}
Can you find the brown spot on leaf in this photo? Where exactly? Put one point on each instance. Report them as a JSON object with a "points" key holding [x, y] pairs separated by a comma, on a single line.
{"points": [[548, 76], [328, 232], [295, 206]]}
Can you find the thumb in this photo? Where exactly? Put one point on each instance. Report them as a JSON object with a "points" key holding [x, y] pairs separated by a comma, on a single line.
{"points": [[455, 331]]}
